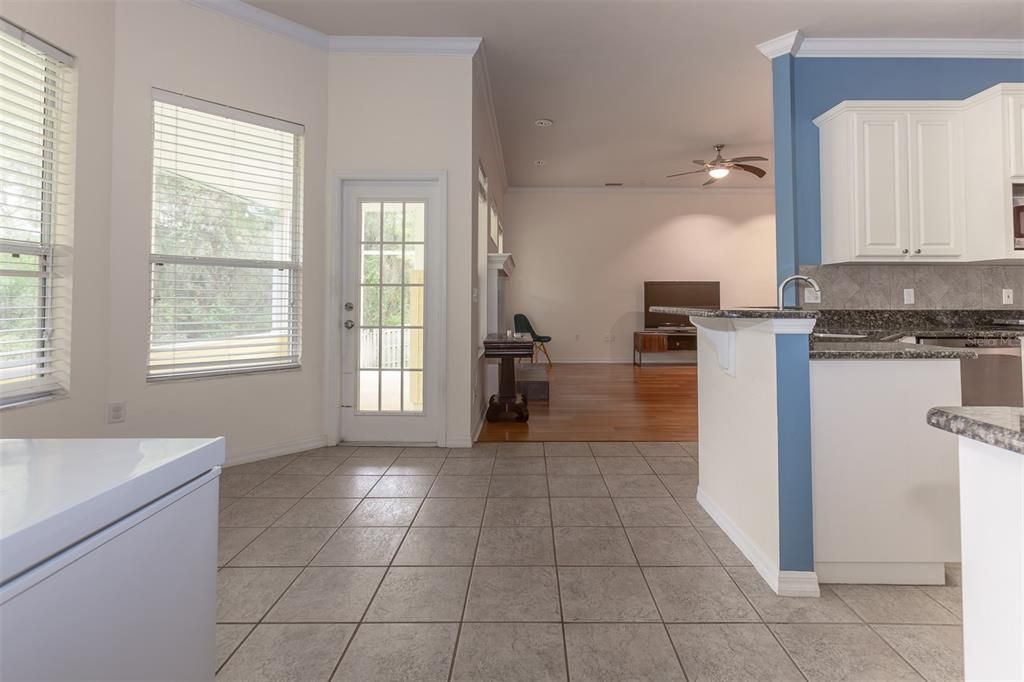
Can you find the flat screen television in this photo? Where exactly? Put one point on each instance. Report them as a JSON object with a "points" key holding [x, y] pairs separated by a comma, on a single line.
{"points": [[681, 294]]}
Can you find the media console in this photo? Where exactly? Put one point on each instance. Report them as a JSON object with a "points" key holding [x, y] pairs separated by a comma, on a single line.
{"points": [[662, 341]]}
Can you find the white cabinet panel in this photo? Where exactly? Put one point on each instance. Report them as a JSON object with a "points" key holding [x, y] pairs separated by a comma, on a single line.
{"points": [[936, 168], [1015, 117], [881, 178]]}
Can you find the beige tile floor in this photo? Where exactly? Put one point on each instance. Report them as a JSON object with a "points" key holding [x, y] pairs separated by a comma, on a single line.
{"points": [[531, 561]]}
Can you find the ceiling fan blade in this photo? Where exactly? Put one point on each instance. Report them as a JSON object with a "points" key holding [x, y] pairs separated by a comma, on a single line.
{"points": [[699, 162], [676, 175], [710, 180], [750, 169], [741, 159]]}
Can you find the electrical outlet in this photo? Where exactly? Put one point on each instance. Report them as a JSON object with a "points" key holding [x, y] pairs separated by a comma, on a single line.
{"points": [[811, 296], [908, 297], [1007, 296], [117, 412]]}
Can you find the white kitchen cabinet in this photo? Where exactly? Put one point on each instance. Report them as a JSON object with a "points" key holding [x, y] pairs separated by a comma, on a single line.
{"points": [[922, 181], [891, 182], [936, 183], [1014, 115]]}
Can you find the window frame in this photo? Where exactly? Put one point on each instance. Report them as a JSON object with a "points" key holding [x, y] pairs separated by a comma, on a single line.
{"points": [[292, 361], [55, 158]]}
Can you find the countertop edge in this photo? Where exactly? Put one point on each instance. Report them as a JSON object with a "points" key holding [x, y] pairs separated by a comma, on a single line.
{"points": [[978, 423], [736, 313]]}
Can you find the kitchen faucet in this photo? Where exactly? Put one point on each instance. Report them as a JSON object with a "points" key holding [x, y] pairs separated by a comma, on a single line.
{"points": [[791, 278]]}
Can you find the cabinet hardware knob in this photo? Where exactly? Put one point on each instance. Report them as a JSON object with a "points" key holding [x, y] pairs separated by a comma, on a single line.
{"points": [[906, 250], [917, 250]]}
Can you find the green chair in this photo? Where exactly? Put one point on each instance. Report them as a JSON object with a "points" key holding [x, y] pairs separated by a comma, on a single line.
{"points": [[523, 326]]}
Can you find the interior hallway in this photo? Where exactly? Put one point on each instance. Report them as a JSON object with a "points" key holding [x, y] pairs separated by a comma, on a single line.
{"points": [[609, 402], [531, 561]]}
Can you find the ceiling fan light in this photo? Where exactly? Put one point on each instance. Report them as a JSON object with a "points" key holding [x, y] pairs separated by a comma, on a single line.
{"points": [[718, 173]]}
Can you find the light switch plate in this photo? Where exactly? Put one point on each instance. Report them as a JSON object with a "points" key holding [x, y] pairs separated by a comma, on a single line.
{"points": [[811, 296], [116, 412], [1007, 296], [908, 297]]}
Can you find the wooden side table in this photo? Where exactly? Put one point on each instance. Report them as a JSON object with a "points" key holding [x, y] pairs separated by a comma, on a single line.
{"points": [[662, 341], [507, 404]]}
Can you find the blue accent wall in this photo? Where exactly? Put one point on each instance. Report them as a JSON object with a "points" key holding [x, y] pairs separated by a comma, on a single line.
{"points": [[814, 86], [785, 191], [796, 511]]}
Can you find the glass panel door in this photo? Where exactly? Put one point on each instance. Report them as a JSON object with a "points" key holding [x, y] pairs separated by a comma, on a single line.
{"points": [[391, 324]]}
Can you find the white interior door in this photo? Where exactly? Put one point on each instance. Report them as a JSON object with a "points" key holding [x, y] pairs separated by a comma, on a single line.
{"points": [[392, 322]]}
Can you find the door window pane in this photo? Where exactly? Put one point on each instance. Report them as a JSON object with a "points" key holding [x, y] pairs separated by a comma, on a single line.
{"points": [[412, 349], [414, 263], [369, 391], [390, 391], [370, 270], [413, 306], [370, 309], [371, 222], [391, 348], [412, 386], [392, 264], [391, 306], [394, 219], [369, 348], [414, 219]]}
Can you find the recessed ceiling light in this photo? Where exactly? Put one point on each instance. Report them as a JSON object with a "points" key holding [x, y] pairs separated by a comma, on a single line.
{"points": [[539, 162], [543, 123]]}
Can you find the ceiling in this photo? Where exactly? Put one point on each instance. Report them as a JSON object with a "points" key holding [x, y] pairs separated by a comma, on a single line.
{"points": [[638, 88]]}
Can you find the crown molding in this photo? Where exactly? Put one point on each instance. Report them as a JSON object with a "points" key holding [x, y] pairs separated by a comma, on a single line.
{"points": [[465, 47], [268, 21], [794, 43], [921, 48], [768, 190], [785, 44]]}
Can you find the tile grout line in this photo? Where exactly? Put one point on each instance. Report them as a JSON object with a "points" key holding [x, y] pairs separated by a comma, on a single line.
{"points": [[875, 633], [643, 575], [469, 583], [554, 553], [383, 577]]}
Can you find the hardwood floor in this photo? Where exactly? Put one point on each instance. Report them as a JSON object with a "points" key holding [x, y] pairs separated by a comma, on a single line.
{"points": [[609, 402]]}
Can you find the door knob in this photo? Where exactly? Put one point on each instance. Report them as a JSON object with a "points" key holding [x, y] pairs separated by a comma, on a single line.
{"points": [[349, 324], [349, 306]]}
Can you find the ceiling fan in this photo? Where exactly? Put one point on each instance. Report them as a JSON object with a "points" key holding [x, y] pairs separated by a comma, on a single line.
{"points": [[718, 167]]}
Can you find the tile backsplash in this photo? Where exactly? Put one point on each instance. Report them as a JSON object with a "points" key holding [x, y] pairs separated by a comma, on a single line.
{"points": [[937, 286]]}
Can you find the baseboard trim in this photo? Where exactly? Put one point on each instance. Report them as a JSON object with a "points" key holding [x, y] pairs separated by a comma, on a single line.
{"points": [[783, 583], [287, 447], [881, 573], [647, 362]]}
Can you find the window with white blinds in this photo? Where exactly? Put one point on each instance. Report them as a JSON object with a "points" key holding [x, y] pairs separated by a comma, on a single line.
{"points": [[226, 261], [35, 217]]}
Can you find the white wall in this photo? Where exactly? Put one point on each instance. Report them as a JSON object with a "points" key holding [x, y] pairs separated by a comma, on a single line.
{"points": [[412, 113], [123, 51], [488, 154], [582, 257], [86, 30]]}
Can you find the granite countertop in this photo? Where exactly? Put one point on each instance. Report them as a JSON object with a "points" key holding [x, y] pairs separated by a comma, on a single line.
{"points": [[738, 313], [1001, 427], [876, 350]]}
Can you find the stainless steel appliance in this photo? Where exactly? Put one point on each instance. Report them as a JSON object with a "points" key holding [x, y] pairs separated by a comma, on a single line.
{"points": [[995, 376]]}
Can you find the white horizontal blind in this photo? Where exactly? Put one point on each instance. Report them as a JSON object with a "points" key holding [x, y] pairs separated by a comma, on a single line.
{"points": [[35, 218], [226, 253]]}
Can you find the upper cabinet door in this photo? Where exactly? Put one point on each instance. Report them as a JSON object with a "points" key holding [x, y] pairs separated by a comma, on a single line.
{"points": [[1015, 121], [936, 175], [880, 176]]}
